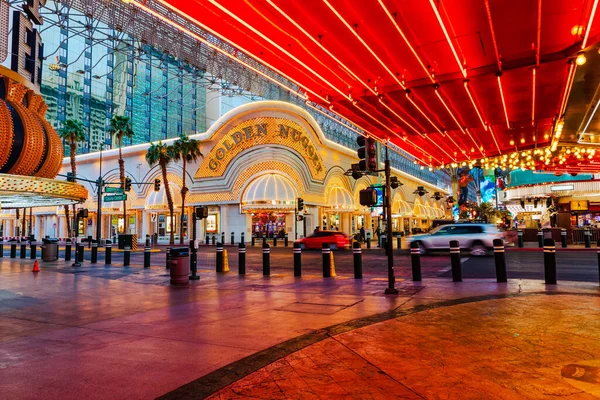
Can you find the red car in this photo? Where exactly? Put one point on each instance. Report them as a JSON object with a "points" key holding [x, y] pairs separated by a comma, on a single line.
{"points": [[336, 240]]}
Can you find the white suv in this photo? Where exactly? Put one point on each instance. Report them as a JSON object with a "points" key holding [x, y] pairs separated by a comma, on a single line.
{"points": [[478, 238]]}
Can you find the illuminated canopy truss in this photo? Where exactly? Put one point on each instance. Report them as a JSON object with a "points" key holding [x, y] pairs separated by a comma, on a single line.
{"points": [[448, 81]]}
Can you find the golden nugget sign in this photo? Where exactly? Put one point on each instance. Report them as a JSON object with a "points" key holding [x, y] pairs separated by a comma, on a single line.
{"points": [[259, 131]]}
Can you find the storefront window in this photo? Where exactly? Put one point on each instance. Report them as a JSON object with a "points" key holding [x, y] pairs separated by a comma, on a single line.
{"points": [[268, 224]]}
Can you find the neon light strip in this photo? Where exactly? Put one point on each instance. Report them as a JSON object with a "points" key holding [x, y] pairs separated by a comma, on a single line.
{"points": [[466, 84], [337, 14], [307, 102], [439, 18], [390, 16], [503, 102], [437, 93], [539, 33], [533, 97], [489, 15], [563, 103], [315, 41], [589, 25], [495, 141], [590, 120], [200, 39], [268, 40]]}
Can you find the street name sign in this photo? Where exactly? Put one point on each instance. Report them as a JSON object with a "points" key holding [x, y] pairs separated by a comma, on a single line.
{"points": [[117, 197], [109, 189]]}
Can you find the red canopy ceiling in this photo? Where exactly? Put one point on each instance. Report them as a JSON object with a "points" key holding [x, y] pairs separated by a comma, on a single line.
{"points": [[446, 80]]}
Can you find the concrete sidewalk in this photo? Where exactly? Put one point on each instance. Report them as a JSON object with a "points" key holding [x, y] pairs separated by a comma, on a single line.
{"points": [[70, 334]]}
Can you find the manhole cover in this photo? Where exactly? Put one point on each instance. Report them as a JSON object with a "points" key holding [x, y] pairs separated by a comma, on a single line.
{"points": [[584, 375]]}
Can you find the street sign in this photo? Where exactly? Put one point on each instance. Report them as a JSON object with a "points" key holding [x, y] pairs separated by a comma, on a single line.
{"points": [[109, 189], [117, 197]]}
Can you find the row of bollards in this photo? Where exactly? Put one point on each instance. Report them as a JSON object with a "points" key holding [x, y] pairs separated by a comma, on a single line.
{"points": [[563, 238]]}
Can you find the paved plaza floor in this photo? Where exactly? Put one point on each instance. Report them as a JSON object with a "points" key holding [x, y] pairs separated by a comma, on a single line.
{"points": [[112, 333]]}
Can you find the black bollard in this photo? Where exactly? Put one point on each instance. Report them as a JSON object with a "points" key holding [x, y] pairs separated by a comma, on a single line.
{"points": [[68, 250], [126, 256], [398, 242], [168, 258], [297, 250], [540, 239], [455, 261], [219, 257], [194, 261], [520, 238], [214, 240], [563, 238], [147, 255], [94, 252], [108, 253], [264, 240], [232, 238], [550, 261], [587, 236], [13, 248], [80, 253], [415, 258], [242, 240], [253, 240], [242, 258], [32, 250], [368, 240], [23, 252], [286, 240], [500, 259], [326, 250], [2, 248], [357, 251], [207, 240], [275, 241], [266, 250], [223, 238]]}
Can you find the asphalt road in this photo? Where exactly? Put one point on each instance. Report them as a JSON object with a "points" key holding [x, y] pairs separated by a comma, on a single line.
{"points": [[571, 265]]}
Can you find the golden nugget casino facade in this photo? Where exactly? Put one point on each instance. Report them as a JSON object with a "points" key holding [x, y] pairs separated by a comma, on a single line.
{"points": [[259, 158]]}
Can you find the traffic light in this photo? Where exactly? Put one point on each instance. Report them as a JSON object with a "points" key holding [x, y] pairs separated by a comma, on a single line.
{"points": [[300, 203], [70, 177], [367, 154], [157, 185], [127, 187], [395, 183], [201, 212], [356, 173], [368, 197], [82, 213]]}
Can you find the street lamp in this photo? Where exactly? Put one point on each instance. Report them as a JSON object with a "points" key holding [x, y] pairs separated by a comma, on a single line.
{"points": [[99, 190]]}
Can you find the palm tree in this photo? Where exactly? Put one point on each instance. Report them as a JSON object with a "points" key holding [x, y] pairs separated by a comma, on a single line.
{"points": [[162, 155], [187, 150], [486, 211], [72, 132], [120, 127]]}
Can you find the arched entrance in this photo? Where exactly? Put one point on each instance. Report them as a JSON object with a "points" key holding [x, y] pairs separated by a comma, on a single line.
{"points": [[338, 212], [270, 200], [158, 207]]}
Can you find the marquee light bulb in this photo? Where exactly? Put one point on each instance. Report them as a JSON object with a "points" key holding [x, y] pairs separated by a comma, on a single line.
{"points": [[580, 60]]}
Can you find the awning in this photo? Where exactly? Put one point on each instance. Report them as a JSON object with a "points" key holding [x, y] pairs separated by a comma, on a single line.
{"points": [[422, 211], [157, 201], [340, 200], [269, 192], [401, 208]]}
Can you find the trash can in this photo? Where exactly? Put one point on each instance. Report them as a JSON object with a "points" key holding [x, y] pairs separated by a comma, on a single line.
{"points": [[179, 265], [50, 249], [125, 240]]}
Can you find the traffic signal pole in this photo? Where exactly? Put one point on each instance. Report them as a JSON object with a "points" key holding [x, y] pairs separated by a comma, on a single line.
{"points": [[391, 289]]}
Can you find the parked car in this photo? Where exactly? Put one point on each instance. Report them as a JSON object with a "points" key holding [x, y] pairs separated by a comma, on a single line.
{"points": [[336, 240], [477, 238]]}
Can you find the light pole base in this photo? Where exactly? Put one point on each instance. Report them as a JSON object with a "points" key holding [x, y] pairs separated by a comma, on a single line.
{"points": [[194, 277], [391, 291]]}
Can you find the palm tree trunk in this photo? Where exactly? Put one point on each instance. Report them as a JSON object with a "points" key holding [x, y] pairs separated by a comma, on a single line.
{"points": [[73, 153], [163, 168], [183, 193], [122, 179]]}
